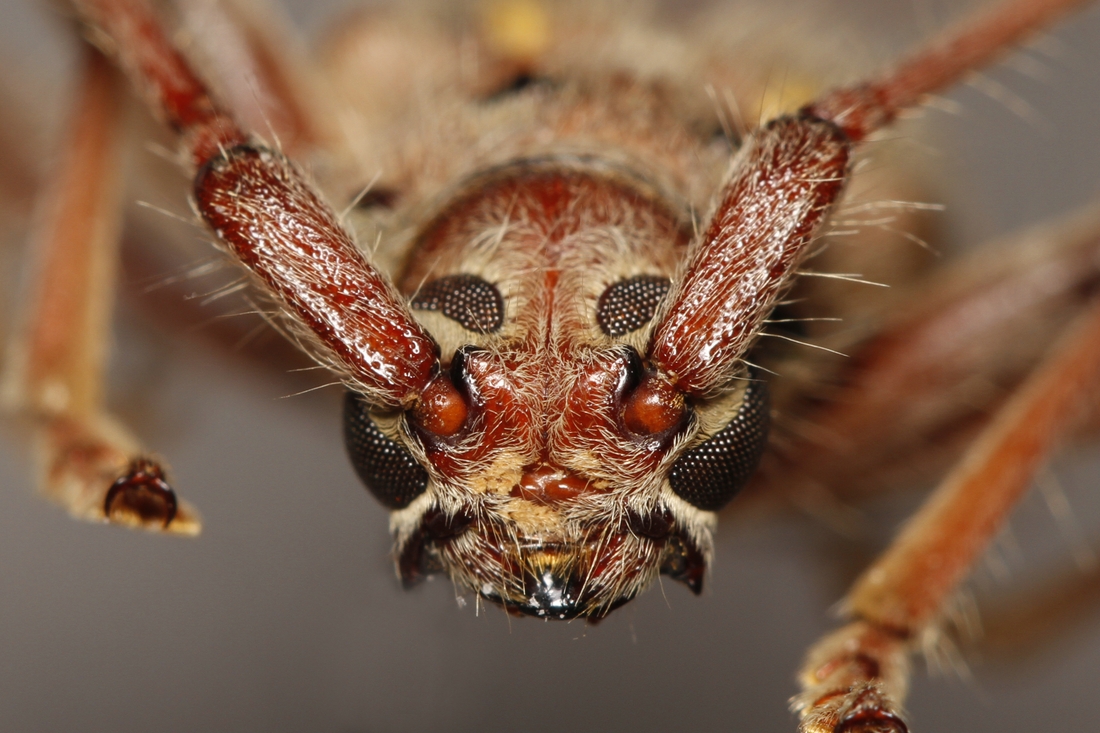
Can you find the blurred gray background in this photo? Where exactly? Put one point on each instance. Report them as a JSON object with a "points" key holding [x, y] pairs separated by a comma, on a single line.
{"points": [[285, 614]]}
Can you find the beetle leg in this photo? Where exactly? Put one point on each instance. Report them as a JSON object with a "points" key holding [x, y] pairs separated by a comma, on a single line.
{"points": [[911, 395], [89, 463], [856, 677]]}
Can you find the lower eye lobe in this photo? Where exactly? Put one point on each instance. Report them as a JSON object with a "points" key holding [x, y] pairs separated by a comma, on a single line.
{"points": [[387, 470], [709, 475]]}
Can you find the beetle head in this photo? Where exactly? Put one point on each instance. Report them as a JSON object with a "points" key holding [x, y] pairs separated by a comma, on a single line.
{"points": [[548, 466]]}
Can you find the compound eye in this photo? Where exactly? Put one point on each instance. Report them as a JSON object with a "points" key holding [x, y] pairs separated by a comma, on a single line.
{"points": [[630, 304], [711, 473], [383, 465], [473, 303]]}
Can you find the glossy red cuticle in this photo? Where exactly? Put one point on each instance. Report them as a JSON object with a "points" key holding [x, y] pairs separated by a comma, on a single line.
{"points": [[549, 485], [442, 409], [654, 407]]}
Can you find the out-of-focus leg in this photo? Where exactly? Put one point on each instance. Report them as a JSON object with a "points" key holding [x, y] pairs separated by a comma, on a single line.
{"points": [[855, 679], [88, 462], [911, 395]]}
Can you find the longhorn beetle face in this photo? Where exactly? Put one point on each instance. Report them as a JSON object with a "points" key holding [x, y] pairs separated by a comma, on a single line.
{"points": [[552, 389], [549, 466], [590, 407], [552, 396]]}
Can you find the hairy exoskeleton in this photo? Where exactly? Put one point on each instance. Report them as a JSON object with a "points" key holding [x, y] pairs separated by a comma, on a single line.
{"points": [[558, 403], [562, 467], [552, 428], [554, 395]]}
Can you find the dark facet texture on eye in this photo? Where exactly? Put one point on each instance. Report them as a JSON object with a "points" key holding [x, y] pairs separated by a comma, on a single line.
{"points": [[474, 303], [385, 467], [711, 473], [630, 304]]}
